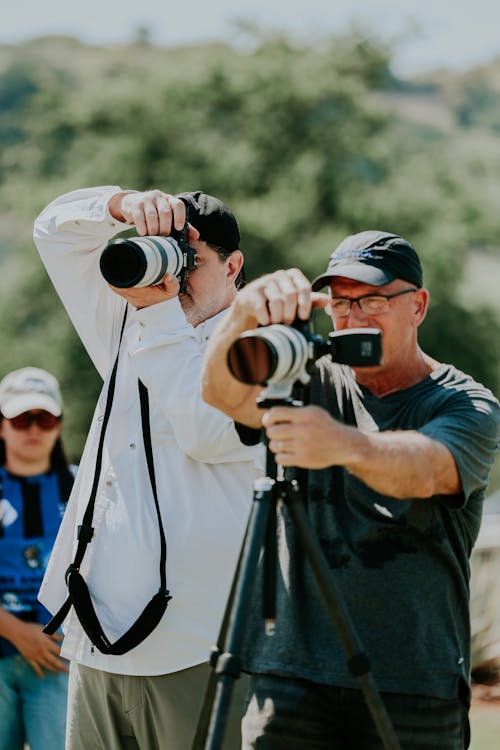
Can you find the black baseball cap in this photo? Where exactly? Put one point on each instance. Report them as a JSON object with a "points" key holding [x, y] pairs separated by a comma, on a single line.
{"points": [[213, 219], [374, 258]]}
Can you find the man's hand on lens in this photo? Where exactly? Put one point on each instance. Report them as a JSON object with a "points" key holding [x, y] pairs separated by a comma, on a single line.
{"points": [[278, 297], [152, 212], [146, 296]]}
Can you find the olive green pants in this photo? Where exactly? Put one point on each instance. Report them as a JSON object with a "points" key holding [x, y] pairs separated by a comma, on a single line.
{"points": [[116, 712]]}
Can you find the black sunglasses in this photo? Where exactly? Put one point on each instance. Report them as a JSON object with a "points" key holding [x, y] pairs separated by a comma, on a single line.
{"points": [[43, 419]]}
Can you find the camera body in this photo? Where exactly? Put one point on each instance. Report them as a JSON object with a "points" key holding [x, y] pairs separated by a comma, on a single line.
{"points": [[280, 356], [144, 261]]}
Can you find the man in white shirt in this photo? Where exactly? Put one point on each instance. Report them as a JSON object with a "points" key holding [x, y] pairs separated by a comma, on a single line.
{"points": [[149, 695]]}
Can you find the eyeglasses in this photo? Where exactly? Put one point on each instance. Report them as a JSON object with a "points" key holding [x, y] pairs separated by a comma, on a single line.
{"points": [[43, 419], [371, 304]]}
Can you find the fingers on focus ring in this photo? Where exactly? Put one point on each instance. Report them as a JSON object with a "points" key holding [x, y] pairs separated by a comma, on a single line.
{"points": [[303, 288], [288, 293], [164, 213], [289, 297], [275, 301]]}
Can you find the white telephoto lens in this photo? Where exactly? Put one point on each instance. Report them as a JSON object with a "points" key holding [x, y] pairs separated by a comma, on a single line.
{"points": [[163, 255], [291, 349]]}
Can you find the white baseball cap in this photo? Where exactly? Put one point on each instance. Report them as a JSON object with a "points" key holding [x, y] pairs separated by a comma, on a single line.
{"points": [[29, 388]]}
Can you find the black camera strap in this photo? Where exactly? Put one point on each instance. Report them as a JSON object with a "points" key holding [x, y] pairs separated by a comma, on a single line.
{"points": [[79, 594]]}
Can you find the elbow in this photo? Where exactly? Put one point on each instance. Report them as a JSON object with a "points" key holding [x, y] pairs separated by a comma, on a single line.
{"points": [[418, 486], [215, 393], [209, 394], [424, 488]]}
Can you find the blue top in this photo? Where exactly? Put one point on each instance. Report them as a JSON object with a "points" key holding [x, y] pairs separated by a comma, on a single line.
{"points": [[31, 509]]}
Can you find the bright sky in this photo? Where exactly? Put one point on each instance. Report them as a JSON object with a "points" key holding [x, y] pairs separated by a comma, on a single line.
{"points": [[428, 33]]}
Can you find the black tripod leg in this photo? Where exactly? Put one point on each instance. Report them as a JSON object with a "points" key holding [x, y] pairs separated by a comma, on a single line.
{"points": [[225, 662], [270, 561], [206, 709], [270, 557], [357, 661], [208, 699]]}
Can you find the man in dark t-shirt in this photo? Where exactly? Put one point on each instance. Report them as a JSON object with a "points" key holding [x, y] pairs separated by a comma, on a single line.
{"points": [[399, 456]]}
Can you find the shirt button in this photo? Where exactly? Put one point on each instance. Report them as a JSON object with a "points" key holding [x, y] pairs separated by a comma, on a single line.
{"points": [[132, 446]]}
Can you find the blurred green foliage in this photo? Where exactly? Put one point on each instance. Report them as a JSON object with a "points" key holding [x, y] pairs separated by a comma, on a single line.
{"points": [[305, 143]]}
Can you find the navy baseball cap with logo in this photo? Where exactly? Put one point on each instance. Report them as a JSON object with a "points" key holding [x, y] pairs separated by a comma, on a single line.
{"points": [[374, 258]]}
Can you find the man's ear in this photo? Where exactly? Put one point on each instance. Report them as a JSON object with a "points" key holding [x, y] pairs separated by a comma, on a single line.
{"points": [[234, 264], [421, 301]]}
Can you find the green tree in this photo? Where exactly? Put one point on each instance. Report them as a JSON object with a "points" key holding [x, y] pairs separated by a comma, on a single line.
{"points": [[304, 142]]}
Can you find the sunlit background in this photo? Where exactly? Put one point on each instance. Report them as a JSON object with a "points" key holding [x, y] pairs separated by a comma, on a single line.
{"points": [[427, 34], [312, 121]]}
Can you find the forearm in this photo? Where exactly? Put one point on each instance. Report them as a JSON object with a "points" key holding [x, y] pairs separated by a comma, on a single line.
{"points": [[9, 625], [77, 222], [402, 464], [69, 234], [219, 387]]}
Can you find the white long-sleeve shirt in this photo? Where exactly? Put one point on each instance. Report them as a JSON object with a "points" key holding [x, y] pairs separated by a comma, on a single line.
{"points": [[204, 474]]}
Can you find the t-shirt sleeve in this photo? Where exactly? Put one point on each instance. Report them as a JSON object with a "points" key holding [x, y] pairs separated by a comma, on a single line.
{"points": [[469, 425]]}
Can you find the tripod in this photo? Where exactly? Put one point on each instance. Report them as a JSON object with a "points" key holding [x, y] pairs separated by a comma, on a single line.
{"points": [[261, 534]]}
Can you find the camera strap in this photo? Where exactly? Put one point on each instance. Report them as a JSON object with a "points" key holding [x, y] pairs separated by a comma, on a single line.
{"points": [[79, 595]]}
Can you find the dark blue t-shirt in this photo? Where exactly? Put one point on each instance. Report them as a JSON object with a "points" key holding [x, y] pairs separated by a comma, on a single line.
{"points": [[401, 566], [31, 509]]}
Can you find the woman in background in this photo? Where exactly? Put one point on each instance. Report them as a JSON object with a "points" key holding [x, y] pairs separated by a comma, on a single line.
{"points": [[35, 482]]}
